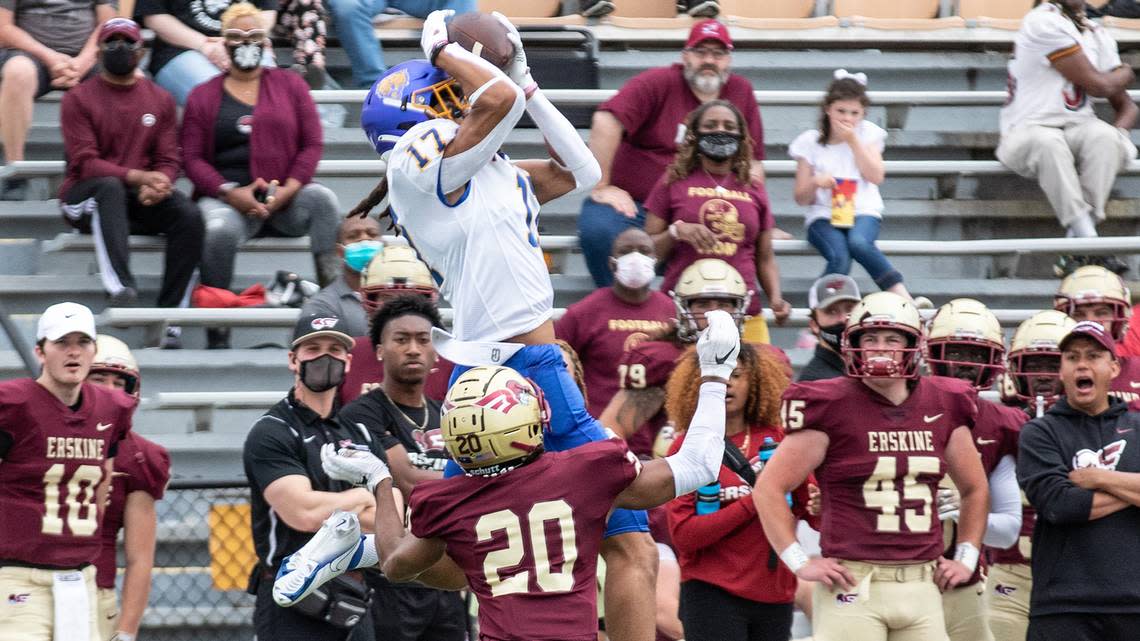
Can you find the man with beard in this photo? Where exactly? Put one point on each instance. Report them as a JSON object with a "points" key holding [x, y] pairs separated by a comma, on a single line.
{"points": [[635, 134], [406, 423], [831, 299]]}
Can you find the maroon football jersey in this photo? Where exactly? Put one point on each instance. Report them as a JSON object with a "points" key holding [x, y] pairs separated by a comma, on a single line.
{"points": [[1126, 386], [880, 474], [48, 515], [1019, 552], [140, 466], [367, 372], [597, 328], [646, 365], [528, 540], [992, 429]]}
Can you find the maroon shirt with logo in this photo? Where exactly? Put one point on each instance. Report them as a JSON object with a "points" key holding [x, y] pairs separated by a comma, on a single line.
{"points": [[597, 328], [49, 473], [528, 539], [366, 374], [735, 215], [880, 475], [652, 108], [140, 466], [1126, 386]]}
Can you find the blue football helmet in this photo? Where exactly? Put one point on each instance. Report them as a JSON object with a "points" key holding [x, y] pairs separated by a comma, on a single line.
{"points": [[406, 95]]}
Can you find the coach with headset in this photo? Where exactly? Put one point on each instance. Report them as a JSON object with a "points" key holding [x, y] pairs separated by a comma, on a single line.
{"points": [[292, 495]]}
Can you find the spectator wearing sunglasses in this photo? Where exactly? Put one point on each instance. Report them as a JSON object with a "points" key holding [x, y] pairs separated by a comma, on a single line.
{"points": [[251, 139], [188, 47], [120, 134]]}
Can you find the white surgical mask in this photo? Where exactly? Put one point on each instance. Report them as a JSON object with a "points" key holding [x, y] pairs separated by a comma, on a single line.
{"points": [[635, 270]]}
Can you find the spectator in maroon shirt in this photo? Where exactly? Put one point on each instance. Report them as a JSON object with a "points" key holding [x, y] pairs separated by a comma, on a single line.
{"points": [[636, 133], [121, 142], [599, 326], [251, 140]]}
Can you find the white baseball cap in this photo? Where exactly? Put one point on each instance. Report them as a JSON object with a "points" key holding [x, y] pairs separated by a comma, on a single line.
{"points": [[62, 319]]}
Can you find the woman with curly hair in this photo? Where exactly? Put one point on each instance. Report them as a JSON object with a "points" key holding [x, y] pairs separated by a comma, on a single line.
{"points": [[707, 206], [733, 587]]}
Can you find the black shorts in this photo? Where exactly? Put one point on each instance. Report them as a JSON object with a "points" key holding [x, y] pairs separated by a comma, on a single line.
{"points": [[42, 72]]}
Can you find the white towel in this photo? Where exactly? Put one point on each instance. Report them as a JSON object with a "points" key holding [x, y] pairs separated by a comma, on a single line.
{"points": [[72, 607]]}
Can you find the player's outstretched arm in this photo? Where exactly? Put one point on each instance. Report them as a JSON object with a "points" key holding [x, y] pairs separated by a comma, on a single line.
{"points": [[799, 453], [629, 409], [969, 477], [698, 461]]}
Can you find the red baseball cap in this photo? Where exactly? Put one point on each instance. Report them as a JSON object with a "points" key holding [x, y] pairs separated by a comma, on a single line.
{"points": [[1092, 330], [709, 30], [122, 27]]}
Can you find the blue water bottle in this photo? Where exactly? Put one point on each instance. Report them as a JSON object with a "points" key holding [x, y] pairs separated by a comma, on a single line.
{"points": [[708, 498], [767, 449]]}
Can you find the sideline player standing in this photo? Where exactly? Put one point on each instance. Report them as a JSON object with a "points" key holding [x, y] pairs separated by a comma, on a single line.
{"points": [[58, 439], [965, 342], [879, 439], [1093, 293]]}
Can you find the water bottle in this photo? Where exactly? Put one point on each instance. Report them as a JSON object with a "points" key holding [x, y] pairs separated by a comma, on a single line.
{"points": [[767, 449], [708, 498]]}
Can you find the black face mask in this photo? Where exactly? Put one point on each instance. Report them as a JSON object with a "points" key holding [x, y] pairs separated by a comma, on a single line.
{"points": [[246, 57], [322, 373], [831, 335], [718, 146], [120, 60]]}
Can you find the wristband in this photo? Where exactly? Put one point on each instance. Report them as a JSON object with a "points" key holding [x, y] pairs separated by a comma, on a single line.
{"points": [[967, 555], [123, 636], [674, 233], [436, 49], [795, 558]]}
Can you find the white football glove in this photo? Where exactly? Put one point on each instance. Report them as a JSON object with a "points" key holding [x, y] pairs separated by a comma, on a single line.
{"points": [[354, 466], [948, 505], [518, 70], [434, 34], [719, 345]]}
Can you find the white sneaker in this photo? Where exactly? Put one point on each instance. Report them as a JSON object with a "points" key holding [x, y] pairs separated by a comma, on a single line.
{"points": [[329, 554]]}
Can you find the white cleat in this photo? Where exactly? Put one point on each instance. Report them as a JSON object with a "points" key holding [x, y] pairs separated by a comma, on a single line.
{"points": [[330, 553]]}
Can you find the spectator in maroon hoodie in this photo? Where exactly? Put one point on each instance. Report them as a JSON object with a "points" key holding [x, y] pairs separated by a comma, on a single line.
{"points": [[251, 140], [120, 138]]}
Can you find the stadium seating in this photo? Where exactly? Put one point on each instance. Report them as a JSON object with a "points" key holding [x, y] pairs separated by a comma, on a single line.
{"points": [[886, 8], [645, 8], [1001, 9], [753, 9]]}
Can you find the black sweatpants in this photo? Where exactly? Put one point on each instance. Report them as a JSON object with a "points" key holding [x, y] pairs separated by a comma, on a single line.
{"points": [[109, 210], [1084, 626], [708, 613], [414, 613], [272, 622]]}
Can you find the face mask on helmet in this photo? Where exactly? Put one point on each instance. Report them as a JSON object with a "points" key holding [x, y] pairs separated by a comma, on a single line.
{"points": [[946, 358], [1036, 374], [880, 361], [322, 373], [689, 321], [357, 255]]}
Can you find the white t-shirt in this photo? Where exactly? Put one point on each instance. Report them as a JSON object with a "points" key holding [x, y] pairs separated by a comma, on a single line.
{"points": [[483, 251], [839, 161], [1036, 92]]}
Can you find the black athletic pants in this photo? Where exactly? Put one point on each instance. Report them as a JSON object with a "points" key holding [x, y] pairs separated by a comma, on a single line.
{"points": [[272, 622], [708, 613], [1084, 626], [109, 210], [414, 613]]}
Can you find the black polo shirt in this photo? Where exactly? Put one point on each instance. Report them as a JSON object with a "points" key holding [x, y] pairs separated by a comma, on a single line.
{"points": [[287, 440]]}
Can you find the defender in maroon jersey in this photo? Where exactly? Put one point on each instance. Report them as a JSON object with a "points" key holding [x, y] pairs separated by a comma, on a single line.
{"points": [[522, 526], [879, 439], [965, 341], [141, 472], [58, 436]]}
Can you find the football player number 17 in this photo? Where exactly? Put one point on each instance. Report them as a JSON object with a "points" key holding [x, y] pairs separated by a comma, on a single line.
{"points": [[880, 492], [535, 528], [82, 517]]}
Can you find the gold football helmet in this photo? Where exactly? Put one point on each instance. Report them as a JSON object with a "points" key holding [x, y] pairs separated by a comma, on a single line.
{"points": [[114, 357], [396, 270], [965, 323], [1091, 285], [708, 278], [883, 310], [1039, 338], [493, 420]]}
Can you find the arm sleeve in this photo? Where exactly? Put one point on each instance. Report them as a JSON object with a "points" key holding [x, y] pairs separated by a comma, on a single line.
{"points": [[563, 138], [150, 471], [1003, 523], [1043, 473], [697, 462], [196, 126], [270, 454], [164, 157], [304, 165], [80, 144]]}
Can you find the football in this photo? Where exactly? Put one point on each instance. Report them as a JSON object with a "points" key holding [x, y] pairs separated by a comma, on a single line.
{"points": [[483, 35]]}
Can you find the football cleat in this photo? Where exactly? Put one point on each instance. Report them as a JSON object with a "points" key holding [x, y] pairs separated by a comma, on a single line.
{"points": [[335, 549]]}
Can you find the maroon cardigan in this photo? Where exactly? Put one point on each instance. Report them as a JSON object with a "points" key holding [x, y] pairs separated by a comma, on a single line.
{"points": [[285, 141]]}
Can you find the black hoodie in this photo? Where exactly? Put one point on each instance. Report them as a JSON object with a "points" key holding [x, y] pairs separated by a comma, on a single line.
{"points": [[1081, 566]]}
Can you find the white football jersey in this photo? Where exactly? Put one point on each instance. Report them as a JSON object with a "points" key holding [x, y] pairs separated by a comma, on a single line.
{"points": [[484, 250], [1037, 93]]}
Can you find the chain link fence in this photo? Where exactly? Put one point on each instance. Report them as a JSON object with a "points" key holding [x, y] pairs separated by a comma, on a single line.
{"points": [[203, 557]]}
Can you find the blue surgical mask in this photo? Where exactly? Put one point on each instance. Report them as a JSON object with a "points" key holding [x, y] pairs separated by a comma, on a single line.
{"points": [[357, 255]]}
